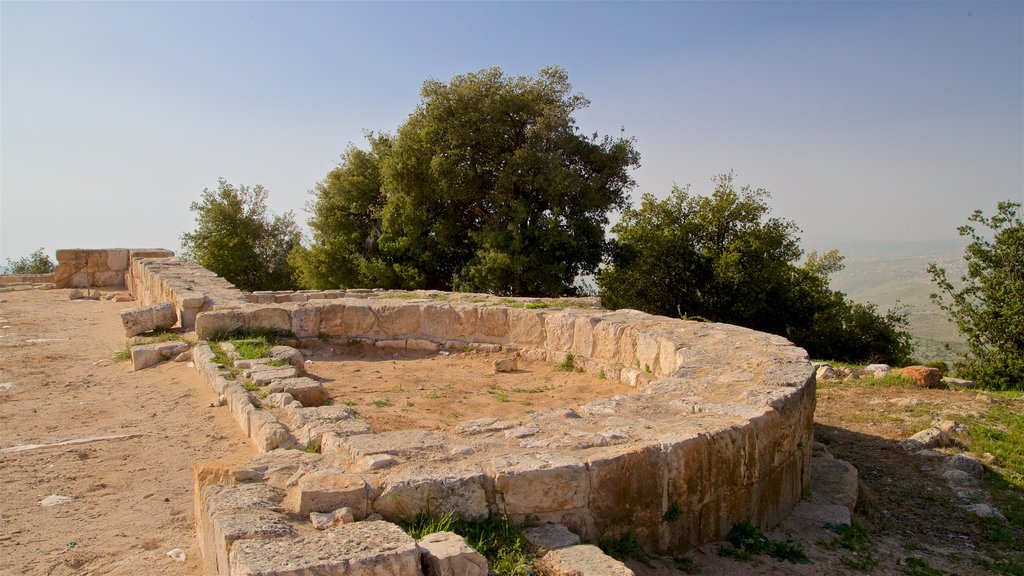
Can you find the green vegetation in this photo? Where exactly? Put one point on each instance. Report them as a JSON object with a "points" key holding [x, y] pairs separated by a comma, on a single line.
{"points": [[123, 355], [496, 537], [238, 239], [313, 447], [856, 540], [624, 547], [252, 348], [673, 513], [744, 542], [501, 397], [723, 258], [568, 364], [988, 304], [381, 403], [489, 186], [37, 262], [914, 566]]}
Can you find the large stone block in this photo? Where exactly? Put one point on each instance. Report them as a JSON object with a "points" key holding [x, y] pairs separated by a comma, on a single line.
{"points": [[560, 330], [538, 482], [582, 560], [447, 554], [306, 322], [220, 322], [435, 320], [307, 391], [402, 443], [147, 355], [398, 320], [326, 490], [356, 549], [526, 327], [270, 318], [492, 325], [438, 489], [148, 318], [626, 489], [358, 320]]}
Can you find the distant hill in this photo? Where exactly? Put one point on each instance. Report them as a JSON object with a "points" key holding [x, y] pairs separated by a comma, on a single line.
{"points": [[891, 273]]}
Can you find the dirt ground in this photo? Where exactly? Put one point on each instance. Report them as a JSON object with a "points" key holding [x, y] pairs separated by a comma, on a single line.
{"points": [[398, 390], [132, 495]]}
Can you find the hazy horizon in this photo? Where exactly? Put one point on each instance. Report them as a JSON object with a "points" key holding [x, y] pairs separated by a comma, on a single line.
{"points": [[868, 121]]}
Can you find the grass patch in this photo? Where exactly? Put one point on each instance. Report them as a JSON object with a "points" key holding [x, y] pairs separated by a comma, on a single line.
{"points": [[568, 364], [123, 355], [914, 566], [275, 363], [501, 397], [854, 539], [313, 447], [252, 348], [496, 537], [744, 542], [381, 403], [268, 334], [251, 387]]}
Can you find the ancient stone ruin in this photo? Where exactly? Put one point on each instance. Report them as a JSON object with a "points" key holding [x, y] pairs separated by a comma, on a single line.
{"points": [[717, 430]]}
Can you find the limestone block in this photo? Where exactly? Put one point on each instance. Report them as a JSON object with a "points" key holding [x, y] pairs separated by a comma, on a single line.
{"points": [[219, 322], [447, 554], [582, 560], [438, 488], [648, 348], [306, 322], [509, 364], [540, 482], [270, 318], [266, 433], [435, 319], [492, 325], [402, 443], [550, 536], [390, 344], [326, 490], [231, 526], [923, 376], [149, 253], [108, 278], [925, 439], [626, 488], [147, 318], [559, 331], [834, 482], [149, 354], [583, 335], [325, 520], [306, 416], [266, 374], [813, 515], [296, 297], [398, 320], [358, 320], [117, 259], [416, 344], [307, 391], [357, 549], [464, 320], [289, 355], [526, 327]]}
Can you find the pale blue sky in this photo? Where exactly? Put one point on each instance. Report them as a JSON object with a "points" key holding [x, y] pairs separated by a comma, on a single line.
{"points": [[865, 120]]}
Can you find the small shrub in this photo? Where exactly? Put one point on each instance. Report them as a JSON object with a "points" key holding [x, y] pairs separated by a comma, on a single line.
{"points": [[37, 262], [601, 375], [501, 397], [673, 513], [568, 364], [624, 547], [313, 447], [123, 355], [381, 403], [745, 542]]}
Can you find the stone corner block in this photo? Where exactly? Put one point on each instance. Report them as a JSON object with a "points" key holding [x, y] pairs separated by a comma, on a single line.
{"points": [[147, 318], [149, 354], [327, 490], [447, 554], [583, 559]]}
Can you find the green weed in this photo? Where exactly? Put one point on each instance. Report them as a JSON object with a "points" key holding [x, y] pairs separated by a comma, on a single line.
{"points": [[673, 513], [313, 447], [501, 397], [624, 547], [915, 566], [568, 364], [496, 537], [744, 542], [123, 355], [381, 403]]}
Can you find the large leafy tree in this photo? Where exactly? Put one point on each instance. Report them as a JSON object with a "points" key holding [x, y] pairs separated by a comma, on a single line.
{"points": [[987, 305], [724, 258], [236, 237], [488, 186]]}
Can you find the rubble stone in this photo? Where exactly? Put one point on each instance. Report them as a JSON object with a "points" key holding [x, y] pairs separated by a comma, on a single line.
{"points": [[148, 318]]}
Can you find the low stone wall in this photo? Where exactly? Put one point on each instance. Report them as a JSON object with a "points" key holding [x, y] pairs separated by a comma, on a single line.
{"points": [[190, 287], [103, 267], [25, 279], [719, 430]]}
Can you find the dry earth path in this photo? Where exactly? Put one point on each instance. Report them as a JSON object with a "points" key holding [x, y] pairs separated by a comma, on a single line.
{"points": [[131, 496]]}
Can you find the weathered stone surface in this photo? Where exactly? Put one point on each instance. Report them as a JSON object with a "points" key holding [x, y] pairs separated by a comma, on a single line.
{"points": [[266, 374], [440, 488], [550, 536], [922, 376], [541, 482], [826, 372], [983, 510], [227, 527], [307, 391], [510, 364], [357, 549], [834, 482], [327, 490], [447, 554], [816, 514], [401, 443], [926, 439], [147, 318], [957, 382], [218, 322], [325, 520], [289, 355], [582, 560], [878, 370], [149, 354], [270, 318]]}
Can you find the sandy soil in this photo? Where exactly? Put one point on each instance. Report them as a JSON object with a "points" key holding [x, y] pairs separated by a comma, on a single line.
{"points": [[399, 390], [132, 497]]}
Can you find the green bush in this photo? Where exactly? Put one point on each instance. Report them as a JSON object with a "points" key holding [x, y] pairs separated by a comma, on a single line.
{"points": [[35, 263]]}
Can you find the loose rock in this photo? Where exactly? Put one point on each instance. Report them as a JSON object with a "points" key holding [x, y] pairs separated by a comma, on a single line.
{"points": [[55, 500], [922, 376]]}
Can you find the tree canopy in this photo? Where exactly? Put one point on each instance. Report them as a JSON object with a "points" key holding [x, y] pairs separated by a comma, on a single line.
{"points": [[724, 258], [988, 304], [488, 186], [37, 262], [238, 239]]}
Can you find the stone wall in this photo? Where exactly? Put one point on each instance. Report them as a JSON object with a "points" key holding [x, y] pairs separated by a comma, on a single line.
{"points": [[25, 279], [190, 287], [104, 267]]}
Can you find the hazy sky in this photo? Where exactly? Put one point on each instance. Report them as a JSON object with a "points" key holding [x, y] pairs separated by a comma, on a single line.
{"points": [[890, 120]]}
